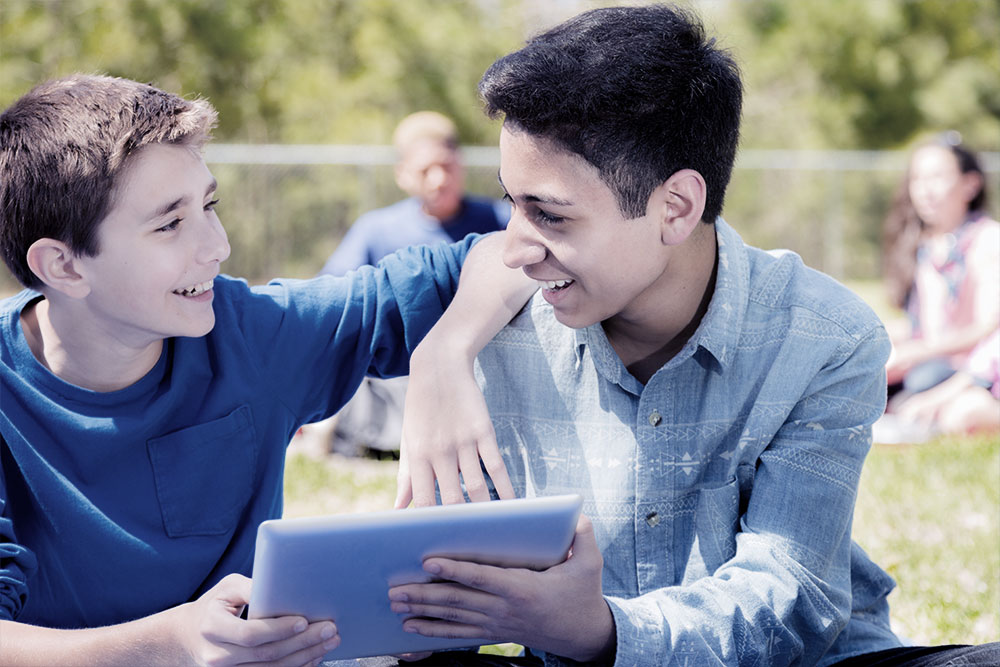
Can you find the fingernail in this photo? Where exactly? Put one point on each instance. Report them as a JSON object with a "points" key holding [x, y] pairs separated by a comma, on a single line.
{"points": [[300, 625], [409, 628], [433, 568], [399, 596], [331, 644], [327, 631], [400, 608]]}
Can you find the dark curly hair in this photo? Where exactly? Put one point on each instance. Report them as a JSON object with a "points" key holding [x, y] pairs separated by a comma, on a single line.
{"points": [[639, 92]]}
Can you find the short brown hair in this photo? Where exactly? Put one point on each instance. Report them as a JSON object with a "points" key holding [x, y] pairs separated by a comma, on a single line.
{"points": [[63, 148]]}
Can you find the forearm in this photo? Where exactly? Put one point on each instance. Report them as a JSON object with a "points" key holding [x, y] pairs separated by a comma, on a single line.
{"points": [[961, 340], [778, 616], [489, 295], [144, 641]]}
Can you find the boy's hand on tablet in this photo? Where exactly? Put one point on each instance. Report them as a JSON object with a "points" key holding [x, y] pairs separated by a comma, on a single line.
{"points": [[560, 610], [212, 633]]}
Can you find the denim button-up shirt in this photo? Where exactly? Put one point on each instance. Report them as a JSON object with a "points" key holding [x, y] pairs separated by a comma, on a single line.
{"points": [[722, 491]]}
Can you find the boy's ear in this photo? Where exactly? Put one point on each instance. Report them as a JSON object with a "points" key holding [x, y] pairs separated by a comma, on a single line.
{"points": [[53, 262], [679, 202]]}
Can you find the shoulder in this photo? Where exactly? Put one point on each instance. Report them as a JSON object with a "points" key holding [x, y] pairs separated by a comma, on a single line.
{"points": [[986, 238], [394, 214], [780, 280]]}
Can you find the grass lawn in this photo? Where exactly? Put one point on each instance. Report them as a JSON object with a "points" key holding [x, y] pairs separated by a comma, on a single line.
{"points": [[928, 514]]}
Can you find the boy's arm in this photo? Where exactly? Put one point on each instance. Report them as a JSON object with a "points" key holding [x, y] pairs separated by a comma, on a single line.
{"points": [[446, 426], [207, 631]]}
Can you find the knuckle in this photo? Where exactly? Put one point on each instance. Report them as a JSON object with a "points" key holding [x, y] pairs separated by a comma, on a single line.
{"points": [[265, 653], [476, 485], [452, 496], [214, 659]]}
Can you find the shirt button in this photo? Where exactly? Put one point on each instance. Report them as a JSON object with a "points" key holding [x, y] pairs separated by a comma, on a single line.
{"points": [[652, 519], [655, 418]]}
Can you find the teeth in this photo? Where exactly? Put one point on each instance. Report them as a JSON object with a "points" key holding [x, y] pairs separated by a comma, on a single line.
{"points": [[554, 284], [194, 290]]}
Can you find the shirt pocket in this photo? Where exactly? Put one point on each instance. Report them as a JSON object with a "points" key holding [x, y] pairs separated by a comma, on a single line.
{"points": [[709, 537], [204, 474]]}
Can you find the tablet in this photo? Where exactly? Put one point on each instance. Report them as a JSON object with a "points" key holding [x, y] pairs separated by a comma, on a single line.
{"points": [[341, 567]]}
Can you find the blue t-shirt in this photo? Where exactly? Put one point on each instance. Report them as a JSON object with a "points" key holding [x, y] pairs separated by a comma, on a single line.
{"points": [[116, 505], [403, 224]]}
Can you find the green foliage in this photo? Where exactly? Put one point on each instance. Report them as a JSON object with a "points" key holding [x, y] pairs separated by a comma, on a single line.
{"points": [[857, 74], [279, 71], [867, 73]]}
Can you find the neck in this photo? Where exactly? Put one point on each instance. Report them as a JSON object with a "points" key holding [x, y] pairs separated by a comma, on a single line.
{"points": [[672, 311], [74, 353]]}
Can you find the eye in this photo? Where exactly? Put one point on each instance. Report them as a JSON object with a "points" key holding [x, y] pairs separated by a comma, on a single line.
{"points": [[170, 226], [210, 206], [543, 217]]}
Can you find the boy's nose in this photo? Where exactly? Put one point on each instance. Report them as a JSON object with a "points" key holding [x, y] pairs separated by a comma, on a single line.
{"points": [[214, 243], [520, 248]]}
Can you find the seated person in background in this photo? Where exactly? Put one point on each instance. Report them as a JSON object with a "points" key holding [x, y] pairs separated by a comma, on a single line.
{"points": [[147, 400], [967, 402], [942, 265], [429, 169], [712, 402]]}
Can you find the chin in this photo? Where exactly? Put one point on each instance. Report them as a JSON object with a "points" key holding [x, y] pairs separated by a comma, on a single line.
{"points": [[574, 321], [203, 329]]}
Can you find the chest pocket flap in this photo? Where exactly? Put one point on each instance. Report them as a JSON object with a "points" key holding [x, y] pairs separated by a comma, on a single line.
{"points": [[204, 474]]}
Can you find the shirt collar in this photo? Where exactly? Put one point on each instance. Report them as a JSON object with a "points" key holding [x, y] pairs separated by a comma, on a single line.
{"points": [[719, 330]]}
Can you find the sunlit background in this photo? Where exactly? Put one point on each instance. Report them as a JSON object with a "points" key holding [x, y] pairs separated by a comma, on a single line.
{"points": [[309, 91], [837, 92]]}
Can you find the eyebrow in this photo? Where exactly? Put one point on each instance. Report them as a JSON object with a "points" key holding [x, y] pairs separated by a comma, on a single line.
{"points": [[536, 199], [180, 201]]}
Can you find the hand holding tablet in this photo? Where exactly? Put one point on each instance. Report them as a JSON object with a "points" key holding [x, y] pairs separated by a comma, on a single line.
{"points": [[341, 567]]}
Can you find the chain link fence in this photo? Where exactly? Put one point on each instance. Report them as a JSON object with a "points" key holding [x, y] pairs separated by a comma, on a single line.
{"points": [[286, 207]]}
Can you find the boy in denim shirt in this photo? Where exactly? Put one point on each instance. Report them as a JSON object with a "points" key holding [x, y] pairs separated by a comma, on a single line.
{"points": [[712, 402], [147, 399]]}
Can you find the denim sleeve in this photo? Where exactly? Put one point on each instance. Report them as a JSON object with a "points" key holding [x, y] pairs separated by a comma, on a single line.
{"points": [[17, 562], [785, 594]]}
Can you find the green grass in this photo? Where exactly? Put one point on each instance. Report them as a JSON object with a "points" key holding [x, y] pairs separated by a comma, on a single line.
{"points": [[929, 514]]}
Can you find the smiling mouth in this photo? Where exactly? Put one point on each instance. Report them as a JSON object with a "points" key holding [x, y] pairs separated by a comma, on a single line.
{"points": [[195, 290], [555, 285]]}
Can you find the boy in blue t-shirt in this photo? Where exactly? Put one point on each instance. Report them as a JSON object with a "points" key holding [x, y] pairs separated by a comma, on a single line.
{"points": [[147, 400]]}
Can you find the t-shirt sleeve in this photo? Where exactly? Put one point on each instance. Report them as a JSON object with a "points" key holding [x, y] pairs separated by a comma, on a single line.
{"points": [[17, 562], [317, 339]]}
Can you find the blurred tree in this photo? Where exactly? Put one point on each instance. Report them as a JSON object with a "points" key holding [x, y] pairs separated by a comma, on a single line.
{"points": [[866, 74], [317, 71]]}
